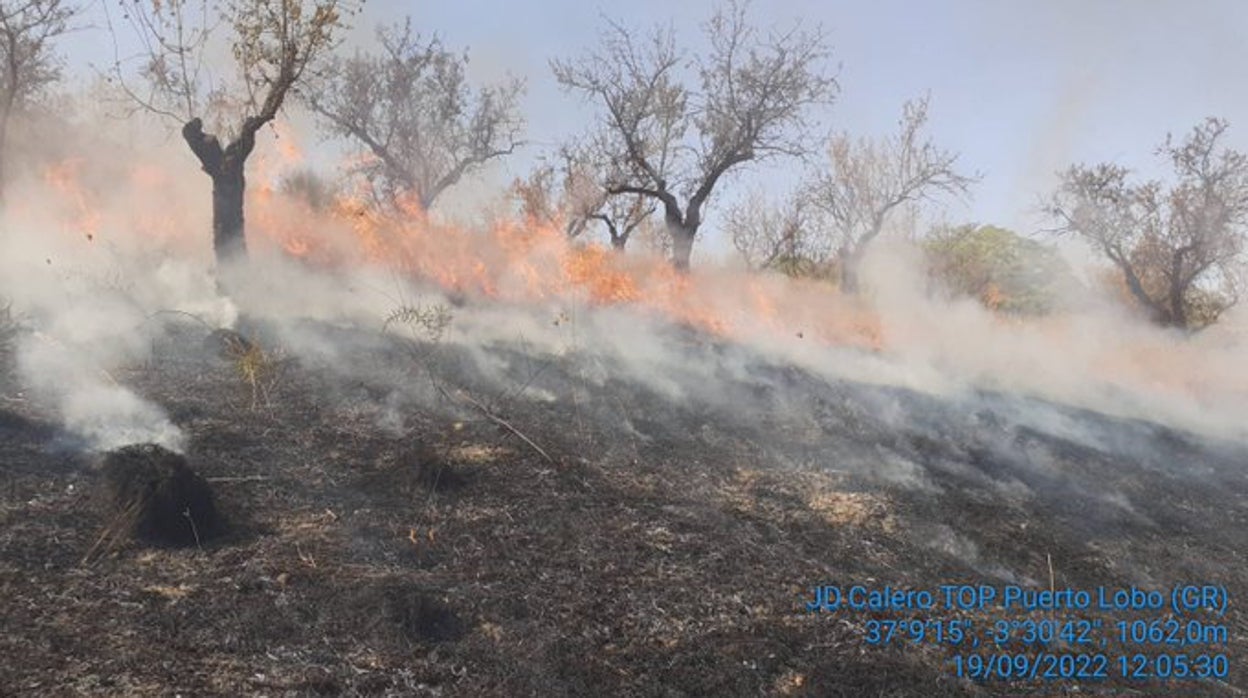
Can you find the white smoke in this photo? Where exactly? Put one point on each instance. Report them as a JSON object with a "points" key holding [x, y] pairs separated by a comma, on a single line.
{"points": [[91, 300]]}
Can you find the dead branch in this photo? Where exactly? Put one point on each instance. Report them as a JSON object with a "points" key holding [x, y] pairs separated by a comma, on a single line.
{"points": [[243, 478], [489, 414]]}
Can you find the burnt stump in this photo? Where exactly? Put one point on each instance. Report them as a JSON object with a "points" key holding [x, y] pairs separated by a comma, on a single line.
{"points": [[156, 498]]}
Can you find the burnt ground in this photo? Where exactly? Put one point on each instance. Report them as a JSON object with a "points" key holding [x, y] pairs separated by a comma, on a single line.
{"points": [[387, 536]]}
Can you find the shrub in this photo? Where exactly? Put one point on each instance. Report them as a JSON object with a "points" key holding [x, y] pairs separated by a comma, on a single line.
{"points": [[1003, 270]]}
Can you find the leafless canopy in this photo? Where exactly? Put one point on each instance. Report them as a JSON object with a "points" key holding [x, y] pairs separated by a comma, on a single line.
{"points": [[411, 105], [568, 191], [868, 182], [272, 42], [559, 191], [784, 236], [622, 216], [672, 128], [1179, 249], [27, 30]]}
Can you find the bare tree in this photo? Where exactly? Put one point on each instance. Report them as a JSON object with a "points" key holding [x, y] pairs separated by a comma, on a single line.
{"points": [[1179, 249], [561, 191], [670, 136], [787, 236], [570, 194], [272, 43], [27, 30], [540, 198], [868, 183], [412, 107]]}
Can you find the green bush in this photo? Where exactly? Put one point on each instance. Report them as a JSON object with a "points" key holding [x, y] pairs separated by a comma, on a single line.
{"points": [[1002, 269]]}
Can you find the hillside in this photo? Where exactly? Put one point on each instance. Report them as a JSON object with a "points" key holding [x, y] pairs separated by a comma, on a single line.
{"points": [[496, 518]]}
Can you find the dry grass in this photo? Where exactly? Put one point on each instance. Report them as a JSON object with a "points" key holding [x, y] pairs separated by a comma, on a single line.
{"points": [[478, 454], [427, 322], [258, 369], [769, 494], [675, 566]]}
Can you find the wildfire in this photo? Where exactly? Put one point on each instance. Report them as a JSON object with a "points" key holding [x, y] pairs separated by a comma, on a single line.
{"points": [[65, 178], [512, 260], [526, 261], [143, 210]]}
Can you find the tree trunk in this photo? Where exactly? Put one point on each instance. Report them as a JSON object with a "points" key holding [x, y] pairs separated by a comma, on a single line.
{"points": [[682, 245], [225, 167], [1159, 311], [618, 242], [850, 259], [228, 240], [1178, 309], [3, 174], [4, 156]]}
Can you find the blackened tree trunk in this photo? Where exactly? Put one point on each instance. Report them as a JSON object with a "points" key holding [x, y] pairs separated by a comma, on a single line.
{"points": [[851, 253], [1166, 314], [228, 240], [682, 245], [682, 226], [229, 185], [618, 238], [1178, 292]]}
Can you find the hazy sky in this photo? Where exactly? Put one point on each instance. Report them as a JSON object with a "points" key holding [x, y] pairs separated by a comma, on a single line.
{"points": [[1020, 89]]}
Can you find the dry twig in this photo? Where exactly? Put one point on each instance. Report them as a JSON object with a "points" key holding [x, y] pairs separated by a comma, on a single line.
{"points": [[499, 421]]}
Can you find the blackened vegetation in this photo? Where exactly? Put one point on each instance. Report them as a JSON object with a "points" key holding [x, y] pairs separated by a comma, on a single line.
{"points": [[422, 467], [227, 344], [421, 617], [668, 550], [412, 472], [155, 497], [226, 168]]}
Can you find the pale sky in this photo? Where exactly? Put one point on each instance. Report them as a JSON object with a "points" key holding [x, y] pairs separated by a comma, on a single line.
{"points": [[1020, 89]]}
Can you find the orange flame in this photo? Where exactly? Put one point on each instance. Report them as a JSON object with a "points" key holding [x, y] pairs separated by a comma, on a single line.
{"points": [[516, 260], [528, 261], [512, 260], [65, 178]]}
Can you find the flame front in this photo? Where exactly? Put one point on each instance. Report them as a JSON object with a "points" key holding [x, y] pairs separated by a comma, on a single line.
{"points": [[527, 261], [125, 216], [513, 260]]}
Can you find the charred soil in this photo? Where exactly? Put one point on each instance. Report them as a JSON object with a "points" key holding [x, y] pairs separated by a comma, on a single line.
{"points": [[407, 540]]}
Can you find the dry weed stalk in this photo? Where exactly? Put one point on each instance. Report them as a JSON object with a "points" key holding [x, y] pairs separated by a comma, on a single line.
{"points": [[113, 533], [258, 369]]}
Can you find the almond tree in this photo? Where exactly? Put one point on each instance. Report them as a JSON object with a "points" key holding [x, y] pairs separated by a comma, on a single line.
{"points": [[623, 216], [272, 43], [27, 63], [411, 106], [570, 194], [783, 237], [672, 129], [868, 183], [1179, 249]]}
